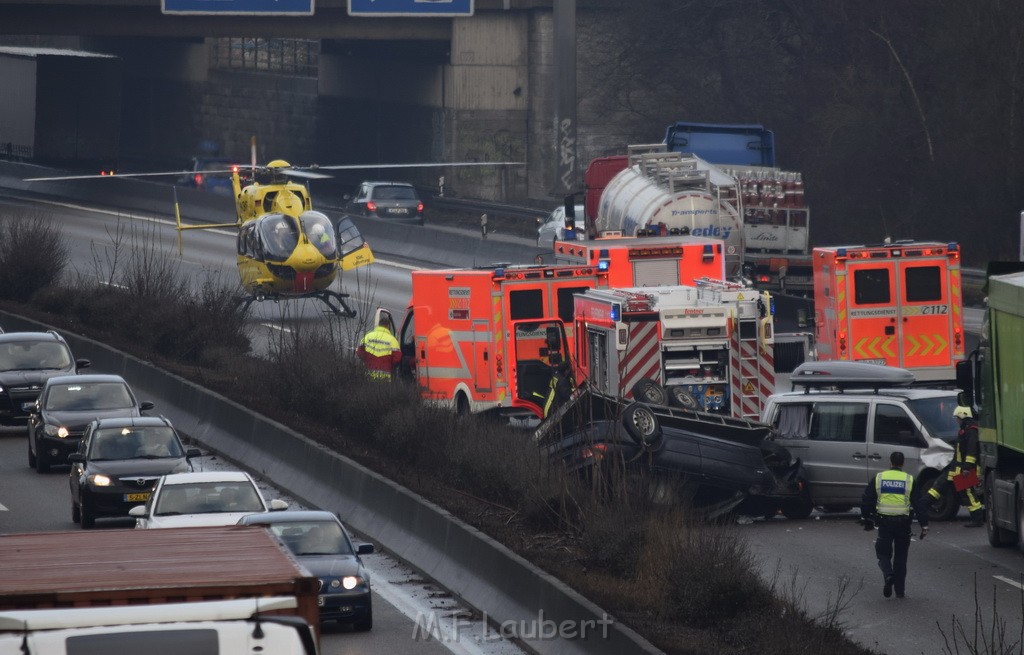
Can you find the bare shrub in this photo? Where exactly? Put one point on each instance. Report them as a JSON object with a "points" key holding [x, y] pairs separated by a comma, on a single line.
{"points": [[33, 254], [979, 637]]}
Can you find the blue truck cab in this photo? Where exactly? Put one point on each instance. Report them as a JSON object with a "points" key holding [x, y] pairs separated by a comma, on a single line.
{"points": [[740, 145]]}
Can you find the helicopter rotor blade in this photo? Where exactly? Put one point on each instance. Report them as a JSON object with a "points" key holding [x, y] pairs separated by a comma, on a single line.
{"points": [[439, 164]]}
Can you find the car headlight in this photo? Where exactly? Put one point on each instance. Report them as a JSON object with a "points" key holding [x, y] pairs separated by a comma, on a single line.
{"points": [[334, 583], [56, 431], [350, 582], [99, 480]]}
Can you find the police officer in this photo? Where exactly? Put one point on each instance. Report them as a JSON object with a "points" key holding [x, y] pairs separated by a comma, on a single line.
{"points": [[380, 351], [891, 501], [965, 461]]}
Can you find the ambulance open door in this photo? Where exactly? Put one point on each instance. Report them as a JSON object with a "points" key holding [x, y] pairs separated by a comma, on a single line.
{"points": [[537, 347]]}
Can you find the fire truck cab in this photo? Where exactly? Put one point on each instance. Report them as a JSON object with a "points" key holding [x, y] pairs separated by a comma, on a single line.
{"points": [[647, 261], [710, 345], [897, 304], [489, 339]]}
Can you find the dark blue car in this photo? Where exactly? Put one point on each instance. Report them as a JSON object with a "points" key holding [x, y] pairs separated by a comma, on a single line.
{"points": [[322, 544]]}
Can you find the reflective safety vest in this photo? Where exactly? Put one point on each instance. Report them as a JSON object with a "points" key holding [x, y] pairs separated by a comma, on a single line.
{"points": [[380, 352], [893, 487]]}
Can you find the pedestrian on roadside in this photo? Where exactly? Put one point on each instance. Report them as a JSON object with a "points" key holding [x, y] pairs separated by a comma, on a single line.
{"points": [[483, 226], [380, 352], [965, 462], [891, 501]]}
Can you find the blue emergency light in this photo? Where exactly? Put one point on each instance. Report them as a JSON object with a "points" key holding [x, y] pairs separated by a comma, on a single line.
{"points": [[603, 265], [616, 311]]}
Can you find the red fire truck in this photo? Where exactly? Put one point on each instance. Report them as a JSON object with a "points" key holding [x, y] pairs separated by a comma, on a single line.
{"points": [[487, 339], [647, 261], [897, 304], [710, 346]]}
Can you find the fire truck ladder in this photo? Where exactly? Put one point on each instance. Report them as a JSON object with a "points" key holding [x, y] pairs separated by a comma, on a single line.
{"points": [[744, 374]]}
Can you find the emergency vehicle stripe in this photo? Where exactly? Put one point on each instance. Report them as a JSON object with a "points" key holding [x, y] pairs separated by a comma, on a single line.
{"points": [[641, 358]]}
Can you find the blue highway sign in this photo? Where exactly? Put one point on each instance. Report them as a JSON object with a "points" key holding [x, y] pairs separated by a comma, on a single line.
{"points": [[239, 7], [410, 8]]}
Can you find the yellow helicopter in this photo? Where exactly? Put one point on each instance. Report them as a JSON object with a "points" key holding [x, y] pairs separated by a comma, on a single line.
{"points": [[286, 249]]}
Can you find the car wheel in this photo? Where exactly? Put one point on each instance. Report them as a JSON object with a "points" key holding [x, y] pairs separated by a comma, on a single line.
{"points": [[642, 425], [799, 507], [680, 397], [650, 392], [87, 515], [461, 404], [42, 466], [1020, 511], [946, 507], [76, 516], [837, 509], [31, 455], [997, 536]]}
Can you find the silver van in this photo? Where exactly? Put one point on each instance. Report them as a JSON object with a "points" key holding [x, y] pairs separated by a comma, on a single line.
{"points": [[846, 422]]}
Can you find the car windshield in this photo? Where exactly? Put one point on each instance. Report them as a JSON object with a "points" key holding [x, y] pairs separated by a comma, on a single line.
{"points": [[88, 396], [937, 416], [394, 193], [208, 498], [150, 442], [313, 537], [34, 355]]}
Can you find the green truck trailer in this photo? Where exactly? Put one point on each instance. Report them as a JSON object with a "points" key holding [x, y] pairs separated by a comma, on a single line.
{"points": [[993, 378]]}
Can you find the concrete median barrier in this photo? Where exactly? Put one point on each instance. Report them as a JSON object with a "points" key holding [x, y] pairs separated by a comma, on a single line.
{"points": [[521, 600]]}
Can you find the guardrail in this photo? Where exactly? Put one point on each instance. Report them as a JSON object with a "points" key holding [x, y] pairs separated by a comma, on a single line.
{"points": [[470, 564]]}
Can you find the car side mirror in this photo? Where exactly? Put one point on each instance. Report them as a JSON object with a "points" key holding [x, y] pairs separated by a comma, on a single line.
{"points": [[193, 452], [139, 512], [277, 505], [28, 407], [76, 457], [82, 363], [146, 404], [364, 549]]}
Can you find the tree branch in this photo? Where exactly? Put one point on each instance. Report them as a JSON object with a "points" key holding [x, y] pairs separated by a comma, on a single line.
{"points": [[913, 92]]}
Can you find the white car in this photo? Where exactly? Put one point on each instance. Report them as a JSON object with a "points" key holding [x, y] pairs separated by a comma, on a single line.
{"points": [[182, 500], [553, 227]]}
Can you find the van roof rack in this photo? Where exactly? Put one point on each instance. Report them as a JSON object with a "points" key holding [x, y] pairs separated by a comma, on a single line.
{"points": [[844, 375]]}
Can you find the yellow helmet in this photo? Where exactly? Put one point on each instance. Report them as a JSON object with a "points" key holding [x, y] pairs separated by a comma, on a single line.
{"points": [[962, 412]]}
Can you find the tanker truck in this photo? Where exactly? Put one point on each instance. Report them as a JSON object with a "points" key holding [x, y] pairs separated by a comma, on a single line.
{"points": [[757, 211]]}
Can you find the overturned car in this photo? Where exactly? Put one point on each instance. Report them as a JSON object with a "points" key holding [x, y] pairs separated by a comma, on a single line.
{"points": [[718, 463]]}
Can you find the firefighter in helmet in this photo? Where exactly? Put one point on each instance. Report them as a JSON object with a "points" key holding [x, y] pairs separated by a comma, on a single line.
{"points": [[965, 462]]}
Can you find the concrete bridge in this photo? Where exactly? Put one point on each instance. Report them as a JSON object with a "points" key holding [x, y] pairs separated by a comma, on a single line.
{"points": [[334, 89]]}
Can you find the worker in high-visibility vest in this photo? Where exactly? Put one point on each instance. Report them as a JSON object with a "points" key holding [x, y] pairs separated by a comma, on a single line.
{"points": [[965, 462], [891, 502], [380, 351]]}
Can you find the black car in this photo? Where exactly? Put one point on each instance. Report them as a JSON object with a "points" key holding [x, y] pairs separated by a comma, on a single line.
{"points": [[119, 461], [392, 201], [27, 360], [720, 463], [322, 544], [66, 405]]}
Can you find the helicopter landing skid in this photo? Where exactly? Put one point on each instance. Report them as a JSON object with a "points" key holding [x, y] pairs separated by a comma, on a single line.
{"points": [[326, 297]]}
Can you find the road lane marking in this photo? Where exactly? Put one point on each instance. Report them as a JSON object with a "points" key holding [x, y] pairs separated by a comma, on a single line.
{"points": [[1010, 582], [276, 327], [3, 508]]}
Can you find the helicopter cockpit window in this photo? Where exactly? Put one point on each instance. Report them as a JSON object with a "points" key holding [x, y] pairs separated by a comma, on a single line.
{"points": [[320, 232], [280, 235]]}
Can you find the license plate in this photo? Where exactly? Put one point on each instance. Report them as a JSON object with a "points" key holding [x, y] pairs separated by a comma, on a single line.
{"points": [[136, 498], [397, 210], [872, 361], [320, 601]]}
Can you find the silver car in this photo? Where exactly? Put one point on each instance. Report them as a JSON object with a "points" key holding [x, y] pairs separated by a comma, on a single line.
{"points": [[553, 227], [845, 435]]}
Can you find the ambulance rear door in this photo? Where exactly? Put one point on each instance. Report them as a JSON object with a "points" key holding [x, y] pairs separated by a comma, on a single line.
{"points": [[871, 315], [925, 316]]}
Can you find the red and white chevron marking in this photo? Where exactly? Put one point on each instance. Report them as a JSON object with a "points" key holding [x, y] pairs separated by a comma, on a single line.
{"points": [[642, 357]]}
